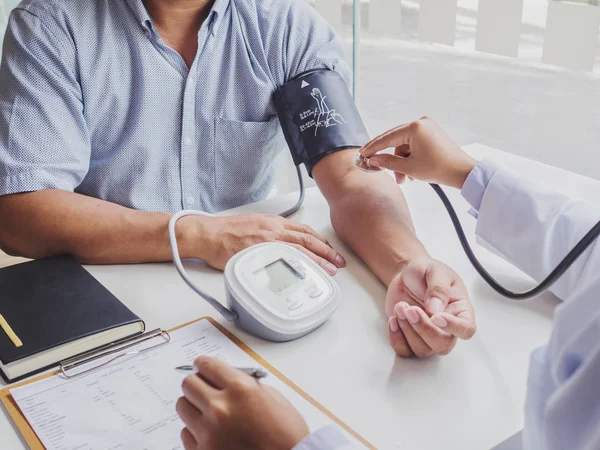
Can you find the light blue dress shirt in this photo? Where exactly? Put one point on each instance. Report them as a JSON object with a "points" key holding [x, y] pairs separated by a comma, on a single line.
{"points": [[93, 101]]}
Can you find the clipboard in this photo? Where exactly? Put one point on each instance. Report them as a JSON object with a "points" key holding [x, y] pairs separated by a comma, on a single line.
{"points": [[34, 443]]}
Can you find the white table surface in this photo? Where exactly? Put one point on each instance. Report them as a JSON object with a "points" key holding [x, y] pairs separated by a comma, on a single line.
{"points": [[471, 399]]}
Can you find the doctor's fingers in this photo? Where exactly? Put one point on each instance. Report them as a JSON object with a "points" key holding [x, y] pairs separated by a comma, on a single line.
{"points": [[197, 391], [188, 439], [191, 417], [391, 138], [219, 374], [397, 163]]}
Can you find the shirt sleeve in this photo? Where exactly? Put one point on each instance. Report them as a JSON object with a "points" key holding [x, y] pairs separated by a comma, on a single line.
{"points": [[300, 39], [44, 143], [330, 437]]}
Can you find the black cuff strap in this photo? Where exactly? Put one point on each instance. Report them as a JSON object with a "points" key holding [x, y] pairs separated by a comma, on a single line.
{"points": [[318, 116]]}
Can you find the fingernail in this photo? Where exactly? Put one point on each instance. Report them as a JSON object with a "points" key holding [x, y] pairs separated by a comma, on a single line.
{"points": [[399, 310], [331, 269], [435, 305], [374, 163], [439, 321], [393, 322], [413, 316], [340, 261]]}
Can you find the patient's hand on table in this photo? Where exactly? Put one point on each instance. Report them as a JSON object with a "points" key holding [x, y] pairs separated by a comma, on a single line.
{"points": [[219, 238], [428, 308]]}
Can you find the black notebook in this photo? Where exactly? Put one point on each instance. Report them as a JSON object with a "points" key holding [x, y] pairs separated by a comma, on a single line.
{"points": [[58, 311]]}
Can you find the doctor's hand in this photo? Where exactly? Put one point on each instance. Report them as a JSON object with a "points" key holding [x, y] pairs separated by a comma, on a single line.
{"points": [[429, 309], [218, 239], [422, 150], [225, 409]]}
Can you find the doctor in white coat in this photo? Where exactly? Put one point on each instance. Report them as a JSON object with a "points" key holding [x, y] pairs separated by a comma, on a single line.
{"points": [[532, 228]]}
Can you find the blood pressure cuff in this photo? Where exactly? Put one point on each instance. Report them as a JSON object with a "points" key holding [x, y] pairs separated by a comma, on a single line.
{"points": [[318, 116]]}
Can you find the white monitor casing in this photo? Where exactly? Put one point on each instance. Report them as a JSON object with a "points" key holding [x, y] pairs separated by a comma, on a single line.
{"points": [[278, 292]]}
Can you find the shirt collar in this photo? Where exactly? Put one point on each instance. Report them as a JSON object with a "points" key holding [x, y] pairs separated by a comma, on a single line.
{"points": [[141, 14], [215, 16]]}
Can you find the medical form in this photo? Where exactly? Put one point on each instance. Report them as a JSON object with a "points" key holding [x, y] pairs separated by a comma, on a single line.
{"points": [[131, 404]]}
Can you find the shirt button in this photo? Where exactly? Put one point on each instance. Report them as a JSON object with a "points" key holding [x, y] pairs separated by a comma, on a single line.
{"points": [[190, 200], [188, 141]]}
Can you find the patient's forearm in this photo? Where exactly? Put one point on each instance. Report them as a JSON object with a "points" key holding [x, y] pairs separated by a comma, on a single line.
{"points": [[53, 222], [369, 212], [375, 222]]}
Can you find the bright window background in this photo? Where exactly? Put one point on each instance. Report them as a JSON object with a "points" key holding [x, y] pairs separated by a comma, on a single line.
{"points": [[518, 103], [5, 7]]}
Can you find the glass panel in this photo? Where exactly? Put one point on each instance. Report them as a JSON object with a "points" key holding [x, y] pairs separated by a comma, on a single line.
{"points": [[5, 7], [515, 104]]}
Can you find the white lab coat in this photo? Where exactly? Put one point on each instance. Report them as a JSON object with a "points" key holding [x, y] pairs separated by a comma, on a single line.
{"points": [[534, 229]]}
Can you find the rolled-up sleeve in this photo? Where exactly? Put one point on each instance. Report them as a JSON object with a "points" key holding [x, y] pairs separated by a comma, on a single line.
{"points": [[44, 142]]}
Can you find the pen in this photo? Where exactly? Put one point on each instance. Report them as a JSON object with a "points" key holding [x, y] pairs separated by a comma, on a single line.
{"points": [[254, 372]]}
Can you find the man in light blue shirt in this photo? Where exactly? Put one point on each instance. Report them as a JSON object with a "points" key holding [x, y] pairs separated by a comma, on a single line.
{"points": [[116, 113]]}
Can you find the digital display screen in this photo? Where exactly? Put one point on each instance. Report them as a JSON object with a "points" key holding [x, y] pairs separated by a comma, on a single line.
{"points": [[280, 276]]}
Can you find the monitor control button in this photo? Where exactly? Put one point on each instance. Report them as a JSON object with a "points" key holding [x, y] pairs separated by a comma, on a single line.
{"points": [[296, 305], [315, 293]]}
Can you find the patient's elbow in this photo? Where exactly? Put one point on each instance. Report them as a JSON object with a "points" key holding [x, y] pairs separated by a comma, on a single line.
{"points": [[8, 239], [5, 247], [7, 244]]}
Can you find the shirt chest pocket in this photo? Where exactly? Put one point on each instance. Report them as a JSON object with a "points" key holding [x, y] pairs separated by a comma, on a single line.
{"points": [[244, 160]]}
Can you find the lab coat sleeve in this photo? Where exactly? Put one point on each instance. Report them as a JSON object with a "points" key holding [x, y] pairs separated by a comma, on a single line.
{"points": [[330, 437], [535, 229]]}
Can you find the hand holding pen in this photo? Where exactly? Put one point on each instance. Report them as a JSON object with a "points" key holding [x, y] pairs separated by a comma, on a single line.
{"points": [[223, 408]]}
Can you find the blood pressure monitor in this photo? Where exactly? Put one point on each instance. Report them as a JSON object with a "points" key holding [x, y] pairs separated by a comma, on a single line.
{"points": [[273, 290], [278, 292]]}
